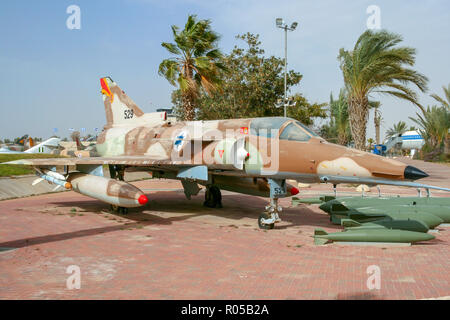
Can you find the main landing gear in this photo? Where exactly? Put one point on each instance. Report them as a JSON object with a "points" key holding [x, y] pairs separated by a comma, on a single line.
{"points": [[117, 209], [213, 197], [117, 172]]}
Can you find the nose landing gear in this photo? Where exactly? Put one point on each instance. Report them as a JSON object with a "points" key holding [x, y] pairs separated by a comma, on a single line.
{"points": [[270, 216]]}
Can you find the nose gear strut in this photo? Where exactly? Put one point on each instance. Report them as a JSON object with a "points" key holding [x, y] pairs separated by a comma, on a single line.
{"points": [[270, 216]]}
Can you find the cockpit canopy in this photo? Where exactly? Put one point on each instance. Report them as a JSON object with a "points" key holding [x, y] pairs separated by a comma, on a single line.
{"points": [[284, 128]]}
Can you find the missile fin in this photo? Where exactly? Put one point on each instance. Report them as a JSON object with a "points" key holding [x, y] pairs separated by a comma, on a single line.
{"points": [[350, 223], [339, 207], [320, 232], [36, 181], [320, 241]]}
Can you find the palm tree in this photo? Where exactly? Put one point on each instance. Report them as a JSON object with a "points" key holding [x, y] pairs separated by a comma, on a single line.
{"points": [[434, 127], [444, 101], [377, 65], [339, 117], [197, 62], [398, 129]]}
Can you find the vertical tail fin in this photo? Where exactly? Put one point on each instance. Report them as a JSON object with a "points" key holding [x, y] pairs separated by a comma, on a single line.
{"points": [[119, 108], [76, 137]]}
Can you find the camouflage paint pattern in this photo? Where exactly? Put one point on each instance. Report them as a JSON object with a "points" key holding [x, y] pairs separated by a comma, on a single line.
{"points": [[107, 190], [232, 147]]}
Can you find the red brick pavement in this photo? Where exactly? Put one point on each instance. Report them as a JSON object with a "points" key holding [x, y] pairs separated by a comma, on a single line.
{"points": [[174, 248]]}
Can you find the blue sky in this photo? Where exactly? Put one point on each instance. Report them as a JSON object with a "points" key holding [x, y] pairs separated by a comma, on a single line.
{"points": [[49, 75]]}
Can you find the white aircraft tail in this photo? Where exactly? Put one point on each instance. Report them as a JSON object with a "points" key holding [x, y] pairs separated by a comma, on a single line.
{"points": [[121, 110], [45, 147]]}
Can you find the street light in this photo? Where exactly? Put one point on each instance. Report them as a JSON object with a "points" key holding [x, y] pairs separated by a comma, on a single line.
{"points": [[280, 24]]}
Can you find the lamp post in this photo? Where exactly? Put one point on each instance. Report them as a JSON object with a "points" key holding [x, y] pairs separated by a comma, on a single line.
{"points": [[280, 24]]}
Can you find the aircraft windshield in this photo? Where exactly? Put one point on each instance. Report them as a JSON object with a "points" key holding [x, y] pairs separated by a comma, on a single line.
{"points": [[307, 129], [267, 127], [294, 133]]}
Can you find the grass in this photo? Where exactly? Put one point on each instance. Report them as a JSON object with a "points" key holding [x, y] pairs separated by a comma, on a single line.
{"points": [[7, 170]]}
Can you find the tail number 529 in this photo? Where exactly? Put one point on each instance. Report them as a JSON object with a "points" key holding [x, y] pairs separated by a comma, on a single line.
{"points": [[128, 114]]}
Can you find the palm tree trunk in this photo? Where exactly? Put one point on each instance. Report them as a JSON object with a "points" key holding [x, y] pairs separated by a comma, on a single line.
{"points": [[377, 122], [447, 147], [358, 109], [342, 138], [188, 106]]}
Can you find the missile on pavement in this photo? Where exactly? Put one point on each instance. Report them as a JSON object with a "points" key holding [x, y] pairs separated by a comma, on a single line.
{"points": [[371, 235], [430, 220], [408, 225], [356, 202], [442, 212]]}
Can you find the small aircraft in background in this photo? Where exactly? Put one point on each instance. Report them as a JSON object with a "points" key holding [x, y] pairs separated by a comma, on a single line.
{"points": [[20, 145], [48, 146], [81, 149]]}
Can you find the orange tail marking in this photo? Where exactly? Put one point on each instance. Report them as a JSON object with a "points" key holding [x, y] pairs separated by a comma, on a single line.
{"points": [[106, 90]]}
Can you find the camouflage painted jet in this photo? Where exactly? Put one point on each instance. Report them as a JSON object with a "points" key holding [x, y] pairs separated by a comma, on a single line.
{"points": [[21, 145], [81, 150], [250, 156], [48, 146]]}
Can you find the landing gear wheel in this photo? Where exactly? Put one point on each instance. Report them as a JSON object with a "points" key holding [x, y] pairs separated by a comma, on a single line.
{"points": [[117, 209], [213, 197], [263, 225]]}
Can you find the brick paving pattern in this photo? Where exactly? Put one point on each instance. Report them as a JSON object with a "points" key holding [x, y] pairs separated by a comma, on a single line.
{"points": [[174, 248]]}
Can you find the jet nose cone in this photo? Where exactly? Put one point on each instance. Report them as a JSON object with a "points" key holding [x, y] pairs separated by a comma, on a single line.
{"points": [[412, 173]]}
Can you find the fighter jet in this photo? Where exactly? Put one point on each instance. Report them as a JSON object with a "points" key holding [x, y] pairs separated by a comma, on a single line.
{"points": [[81, 150], [19, 146], [48, 146], [251, 156]]}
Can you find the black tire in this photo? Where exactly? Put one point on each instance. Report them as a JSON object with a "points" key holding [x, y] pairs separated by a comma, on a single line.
{"points": [[217, 197], [213, 197], [263, 225], [116, 209], [209, 202]]}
